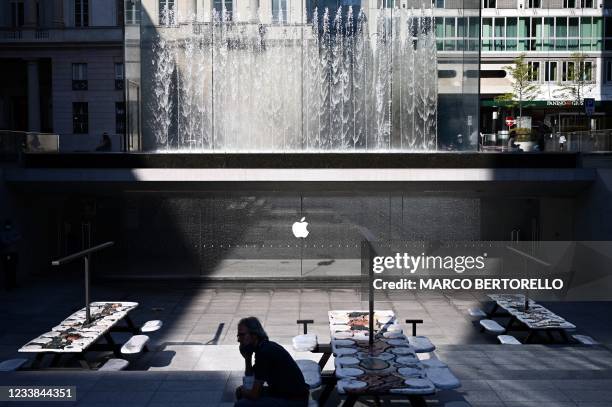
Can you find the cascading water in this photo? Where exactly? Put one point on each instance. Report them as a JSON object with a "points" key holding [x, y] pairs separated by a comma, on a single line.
{"points": [[330, 85]]}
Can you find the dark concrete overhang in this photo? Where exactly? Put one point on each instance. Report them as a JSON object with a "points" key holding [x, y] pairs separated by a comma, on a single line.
{"points": [[435, 174]]}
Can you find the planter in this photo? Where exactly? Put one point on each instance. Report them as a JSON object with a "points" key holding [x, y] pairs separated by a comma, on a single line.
{"points": [[526, 145]]}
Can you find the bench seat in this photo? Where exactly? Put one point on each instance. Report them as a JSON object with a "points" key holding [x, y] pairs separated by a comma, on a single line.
{"points": [[421, 344], [585, 340], [305, 342], [508, 340], [114, 365], [152, 326], [135, 345], [12, 364], [477, 313], [311, 372], [442, 378], [492, 326]]}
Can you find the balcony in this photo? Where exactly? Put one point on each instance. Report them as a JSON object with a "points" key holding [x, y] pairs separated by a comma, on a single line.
{"points": [[70, 34]]}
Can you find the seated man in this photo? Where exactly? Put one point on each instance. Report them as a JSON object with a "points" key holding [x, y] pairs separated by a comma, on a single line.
{"points": [[273, 365]]}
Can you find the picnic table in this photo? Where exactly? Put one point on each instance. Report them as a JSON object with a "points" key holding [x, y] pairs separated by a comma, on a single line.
{"points": [[74, 337], [390, 367], [535, 319]]}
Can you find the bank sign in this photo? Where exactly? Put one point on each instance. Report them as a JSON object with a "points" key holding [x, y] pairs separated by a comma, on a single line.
{"points": [[564, 102]]}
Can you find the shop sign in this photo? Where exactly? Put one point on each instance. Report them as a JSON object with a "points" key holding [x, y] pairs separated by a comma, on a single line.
{"points": [[510, 121], [563, 103]]}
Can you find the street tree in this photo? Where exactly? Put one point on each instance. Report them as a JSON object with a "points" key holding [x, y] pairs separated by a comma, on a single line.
{"points": [[578, 81], [524, 87]]}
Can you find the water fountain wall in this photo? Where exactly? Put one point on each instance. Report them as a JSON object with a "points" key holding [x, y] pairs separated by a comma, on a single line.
{"points": [[218, 85]]}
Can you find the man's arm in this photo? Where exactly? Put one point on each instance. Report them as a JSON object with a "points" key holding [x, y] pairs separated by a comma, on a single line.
{"points": [[254, 393]]}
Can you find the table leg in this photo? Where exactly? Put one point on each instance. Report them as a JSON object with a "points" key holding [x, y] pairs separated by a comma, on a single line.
{"points": [[323, 361], [324, 396], [38, 360], [510, 322], [350, 401], [417, 401], [116, 348], [564, 336], [83, 362], [133, 328], [493, 310], [55, 360]]}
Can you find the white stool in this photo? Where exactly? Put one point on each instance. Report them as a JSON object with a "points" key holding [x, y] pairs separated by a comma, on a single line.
{"points": [[492, 326], [508, 340], [135, 345], [114, 365]]}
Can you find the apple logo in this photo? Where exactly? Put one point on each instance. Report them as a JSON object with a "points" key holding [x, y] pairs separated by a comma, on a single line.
{"points": [[300, 229]]}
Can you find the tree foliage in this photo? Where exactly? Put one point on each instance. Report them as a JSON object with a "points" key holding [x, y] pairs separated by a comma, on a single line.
{"points": [[579, 79], [523, 86]]}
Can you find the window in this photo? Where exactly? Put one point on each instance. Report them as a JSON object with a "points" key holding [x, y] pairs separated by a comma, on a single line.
{"points": [[487, 33], [534, 4], [119, 76], [79, 77], [81, 13], [567, 71], [132, 13], [500, 33], [573, 34], [80, 118], [511, 32], [609, 70], [473, 29], [166, 12], [219, 6], [461, 33], [449, 33], [534, 71], [569, 3], [550, 72], [489, 3], [17, 19], [279, 11], [587, 71], [561, 33], [120, 117], [439, 3], [586, 3]]}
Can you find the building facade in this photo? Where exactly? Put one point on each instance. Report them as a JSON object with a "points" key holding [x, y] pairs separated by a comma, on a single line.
{"points": [[564, 42], [63, 70]]}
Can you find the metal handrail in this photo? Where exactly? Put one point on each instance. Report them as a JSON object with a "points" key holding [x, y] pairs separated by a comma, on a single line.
{"points": [[85, 254], [82, 253]]}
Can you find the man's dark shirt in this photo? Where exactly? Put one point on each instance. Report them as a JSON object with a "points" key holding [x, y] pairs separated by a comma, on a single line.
{"points": [[274, 365]]}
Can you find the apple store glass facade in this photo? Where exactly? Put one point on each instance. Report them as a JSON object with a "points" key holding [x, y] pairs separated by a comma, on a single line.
{"points": [[301, 76]]}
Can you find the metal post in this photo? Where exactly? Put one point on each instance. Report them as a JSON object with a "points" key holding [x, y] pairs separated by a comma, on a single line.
{"points": [[87, 301], [371, 294]]}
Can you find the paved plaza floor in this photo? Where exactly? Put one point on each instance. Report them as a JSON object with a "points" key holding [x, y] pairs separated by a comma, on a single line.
{"points": [[194, 360]]}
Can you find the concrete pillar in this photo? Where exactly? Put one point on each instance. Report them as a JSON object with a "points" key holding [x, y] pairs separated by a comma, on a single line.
{"points": [[58, 13], [192, 12], [253, 9], [29, 7], [33, 96]]}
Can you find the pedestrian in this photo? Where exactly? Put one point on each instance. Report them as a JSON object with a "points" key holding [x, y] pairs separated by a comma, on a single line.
{"points": [[562, 141], [9, 240], [105, 144]]}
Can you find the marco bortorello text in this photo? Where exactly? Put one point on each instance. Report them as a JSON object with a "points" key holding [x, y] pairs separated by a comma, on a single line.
{"points": [[403, 271]]}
